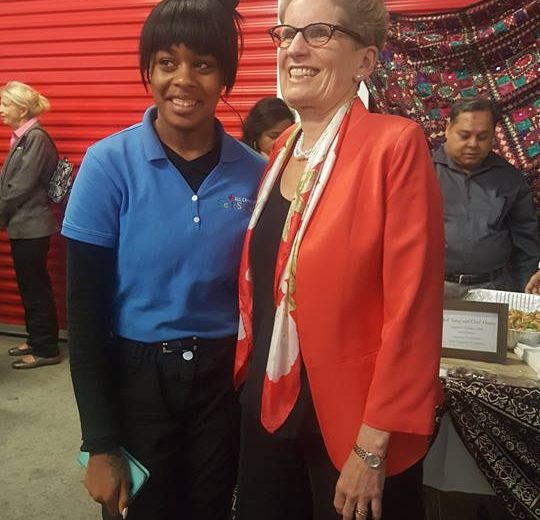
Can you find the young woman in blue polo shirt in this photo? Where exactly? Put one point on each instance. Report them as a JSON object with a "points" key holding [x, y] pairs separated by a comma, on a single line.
{"points": [[155, 225]]}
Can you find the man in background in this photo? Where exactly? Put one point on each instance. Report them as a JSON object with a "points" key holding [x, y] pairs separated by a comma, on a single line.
{"points": [[491, 230]]}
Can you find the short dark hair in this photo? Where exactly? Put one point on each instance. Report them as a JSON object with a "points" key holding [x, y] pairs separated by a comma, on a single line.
{"points": [[264, 115], [204, 26], [476, 104]]}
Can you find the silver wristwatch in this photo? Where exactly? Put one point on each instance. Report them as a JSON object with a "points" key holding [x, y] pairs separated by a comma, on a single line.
{"points": [[373, 460]]}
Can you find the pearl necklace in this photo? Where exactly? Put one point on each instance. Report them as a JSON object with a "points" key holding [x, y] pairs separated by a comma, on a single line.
{"points": [[298, 153], [304, 155]]}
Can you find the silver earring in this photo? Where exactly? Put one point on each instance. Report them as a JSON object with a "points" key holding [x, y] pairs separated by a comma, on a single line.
{"points": [[359, 77]]}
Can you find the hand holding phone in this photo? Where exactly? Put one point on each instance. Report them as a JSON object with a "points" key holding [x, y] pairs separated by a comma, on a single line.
{"points": [[111, 490]]}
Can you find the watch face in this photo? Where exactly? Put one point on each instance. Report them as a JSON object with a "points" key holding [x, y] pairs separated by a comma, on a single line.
{"points": [[373, 460]]}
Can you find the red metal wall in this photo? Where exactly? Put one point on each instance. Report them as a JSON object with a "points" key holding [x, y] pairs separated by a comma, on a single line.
{"points": [[82, 55]]}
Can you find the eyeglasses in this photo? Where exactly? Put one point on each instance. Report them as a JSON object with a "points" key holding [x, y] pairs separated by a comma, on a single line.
{"points": [[315, 34]]}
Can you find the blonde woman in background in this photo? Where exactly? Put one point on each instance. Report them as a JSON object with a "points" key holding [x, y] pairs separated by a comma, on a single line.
{"points": [[28, 219]]}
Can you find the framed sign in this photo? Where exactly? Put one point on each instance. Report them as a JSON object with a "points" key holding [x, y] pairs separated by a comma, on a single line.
{"points": [[475, 330]]}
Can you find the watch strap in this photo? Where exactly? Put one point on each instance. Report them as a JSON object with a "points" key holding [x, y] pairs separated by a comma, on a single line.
{"points": [[364, 454]]}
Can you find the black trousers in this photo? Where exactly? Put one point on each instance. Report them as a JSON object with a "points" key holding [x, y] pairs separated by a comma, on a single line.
{"points": [[30, 260], [294, 479], [180, 418]]}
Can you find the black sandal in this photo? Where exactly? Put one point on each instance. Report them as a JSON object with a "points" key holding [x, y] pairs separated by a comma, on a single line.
{"points": [[38, 362], [18, 351]]}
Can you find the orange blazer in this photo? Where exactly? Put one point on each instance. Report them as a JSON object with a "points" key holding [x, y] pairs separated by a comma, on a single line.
{"points": [[369, 290]]}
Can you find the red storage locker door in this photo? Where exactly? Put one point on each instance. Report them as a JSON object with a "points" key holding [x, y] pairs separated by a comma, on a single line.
{"points": [[257, 74], [83, 57]]}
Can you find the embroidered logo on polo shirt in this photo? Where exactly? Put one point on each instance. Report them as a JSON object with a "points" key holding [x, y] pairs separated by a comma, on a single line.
{"points": [[235, 202]]}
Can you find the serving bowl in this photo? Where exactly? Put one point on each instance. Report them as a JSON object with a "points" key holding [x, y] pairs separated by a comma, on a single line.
{"points": [[527, 337]]}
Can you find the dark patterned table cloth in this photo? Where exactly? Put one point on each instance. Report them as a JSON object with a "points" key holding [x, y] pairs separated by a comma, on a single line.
{"points": [[500, 426]]}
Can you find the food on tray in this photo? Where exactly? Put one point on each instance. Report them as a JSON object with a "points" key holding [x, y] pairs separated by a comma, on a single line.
{"points": [[524, 321]]}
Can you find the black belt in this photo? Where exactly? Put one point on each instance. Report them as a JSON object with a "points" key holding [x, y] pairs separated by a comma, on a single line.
{"points": [[181, 345], [472, 279]]}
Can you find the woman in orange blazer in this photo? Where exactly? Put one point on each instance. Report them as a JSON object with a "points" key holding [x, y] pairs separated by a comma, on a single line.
{"points": [[340, 289]]}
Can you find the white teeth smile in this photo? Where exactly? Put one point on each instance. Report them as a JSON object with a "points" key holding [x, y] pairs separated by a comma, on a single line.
{"points": [[184, 103], [301, 72]]}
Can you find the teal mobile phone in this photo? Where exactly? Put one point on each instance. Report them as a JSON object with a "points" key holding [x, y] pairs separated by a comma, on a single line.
{"points": [[137, 472]]}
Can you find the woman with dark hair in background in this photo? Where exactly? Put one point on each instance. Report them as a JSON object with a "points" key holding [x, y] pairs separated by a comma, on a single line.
{"points": [[28, 219], [155, 224], [266, 121]]}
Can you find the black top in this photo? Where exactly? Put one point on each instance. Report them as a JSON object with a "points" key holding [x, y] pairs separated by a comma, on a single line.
{"points": [[263, 255], [195, 171], [489, 218], [90, 279]]}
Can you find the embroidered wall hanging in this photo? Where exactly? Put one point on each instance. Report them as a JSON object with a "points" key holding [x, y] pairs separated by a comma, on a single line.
{"points": [[489, 49]]}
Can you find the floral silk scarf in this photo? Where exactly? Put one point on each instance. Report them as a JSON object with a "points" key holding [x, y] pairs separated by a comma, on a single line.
{"points": [[281, 385]]}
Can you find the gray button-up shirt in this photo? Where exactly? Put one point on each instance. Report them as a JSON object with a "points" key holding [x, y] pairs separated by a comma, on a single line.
{"points": [[489, 218]]}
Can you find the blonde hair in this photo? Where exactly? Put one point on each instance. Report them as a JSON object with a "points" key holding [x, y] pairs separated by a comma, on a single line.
{"points": [[26, 97], [368, 18]]}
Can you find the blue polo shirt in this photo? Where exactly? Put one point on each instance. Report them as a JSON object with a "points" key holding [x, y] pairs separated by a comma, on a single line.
{"points": [[178, 252]]}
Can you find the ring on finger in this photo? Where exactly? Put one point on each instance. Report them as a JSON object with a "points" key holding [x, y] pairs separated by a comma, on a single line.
{"points": [[361, 512]]}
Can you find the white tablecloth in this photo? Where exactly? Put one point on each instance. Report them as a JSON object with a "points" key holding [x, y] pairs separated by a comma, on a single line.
{"points": [[448, 465]]}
